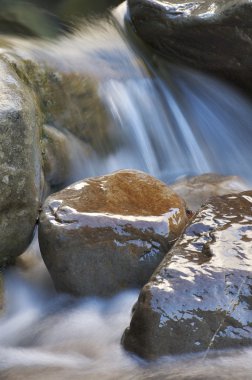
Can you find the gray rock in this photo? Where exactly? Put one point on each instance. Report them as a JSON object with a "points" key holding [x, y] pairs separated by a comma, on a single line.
{"points": [[200, 297], [20, 164], [109, 233], [196, 190], [55, 152], [208, 35]]}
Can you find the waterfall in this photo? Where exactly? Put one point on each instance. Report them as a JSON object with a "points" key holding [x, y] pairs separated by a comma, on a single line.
{"points": [[168, 121]]}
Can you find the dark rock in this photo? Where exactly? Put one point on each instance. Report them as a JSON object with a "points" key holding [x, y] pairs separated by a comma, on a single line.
{"points": [[196, 190], [20, 164], [109, 233], [200, 297], [207, 35]]}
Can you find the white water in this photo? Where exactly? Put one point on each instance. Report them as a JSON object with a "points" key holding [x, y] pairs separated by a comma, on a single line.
{"points": [[188, 123]]}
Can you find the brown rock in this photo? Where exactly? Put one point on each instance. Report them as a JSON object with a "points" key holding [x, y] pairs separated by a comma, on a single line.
{"points": [[109, 233], [196, 190], [200, 297]]}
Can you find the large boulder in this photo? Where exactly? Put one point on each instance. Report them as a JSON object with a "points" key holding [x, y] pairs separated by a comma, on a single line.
{"points": [[109, 233], [68, 100], [20, 164], [200, 297], [197, 190], [215, 36]]}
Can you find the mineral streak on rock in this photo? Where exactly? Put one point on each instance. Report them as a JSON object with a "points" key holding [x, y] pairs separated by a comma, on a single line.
{"points": [[200, 297], [109, 233]]}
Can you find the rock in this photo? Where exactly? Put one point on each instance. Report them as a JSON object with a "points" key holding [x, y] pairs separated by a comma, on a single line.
{"points": [[207, 35], [55, 153], [20, 164], [66, 159], [109, 233], [18, 17], [196, 190], [68, 101], [200, 297]]}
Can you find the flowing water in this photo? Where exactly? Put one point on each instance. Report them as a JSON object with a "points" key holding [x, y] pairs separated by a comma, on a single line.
{"points": [[170, 122]]}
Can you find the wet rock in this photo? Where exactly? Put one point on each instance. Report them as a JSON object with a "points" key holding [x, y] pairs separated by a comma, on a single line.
{"points": [[55, 154], [20, 164], [109, 233], [18, 17], [207, 35], [196, 190], [66, 159], [68, 101], [200, 297]]}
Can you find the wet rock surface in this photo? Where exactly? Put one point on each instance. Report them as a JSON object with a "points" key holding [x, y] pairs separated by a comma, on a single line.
{"points": [[69, 101], [200, 297], [55, 152], [109, 233], [197, 190], [207, 35], [20, 164]]}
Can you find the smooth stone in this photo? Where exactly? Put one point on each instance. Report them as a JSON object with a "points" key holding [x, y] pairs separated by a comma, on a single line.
{"points": [[109, 233], [198, 189], [200, 297], [214, 36], [20, 164]]}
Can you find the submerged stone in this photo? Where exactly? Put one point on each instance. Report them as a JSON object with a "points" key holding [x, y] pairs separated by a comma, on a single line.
{"points": [[109, 233], [197, 190], [20, 164], [200, 297], [215, 36]]}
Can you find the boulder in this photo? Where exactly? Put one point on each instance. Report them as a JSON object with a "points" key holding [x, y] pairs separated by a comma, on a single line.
{"points": [[196, 190], [109, 233], [68, 100], [20, 164], [200, 297], [214, 36]]}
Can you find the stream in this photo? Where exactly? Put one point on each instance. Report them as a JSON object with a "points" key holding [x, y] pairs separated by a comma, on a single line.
{"points": [[171, 122]]}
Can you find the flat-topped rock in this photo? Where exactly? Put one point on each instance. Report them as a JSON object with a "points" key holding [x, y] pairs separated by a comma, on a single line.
{"points": [[215, 36], [197, 190], [109, 233], [200, 297]]}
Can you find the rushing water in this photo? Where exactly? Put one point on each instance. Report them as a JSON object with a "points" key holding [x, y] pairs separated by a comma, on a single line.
{"points": [[171, 122]]}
